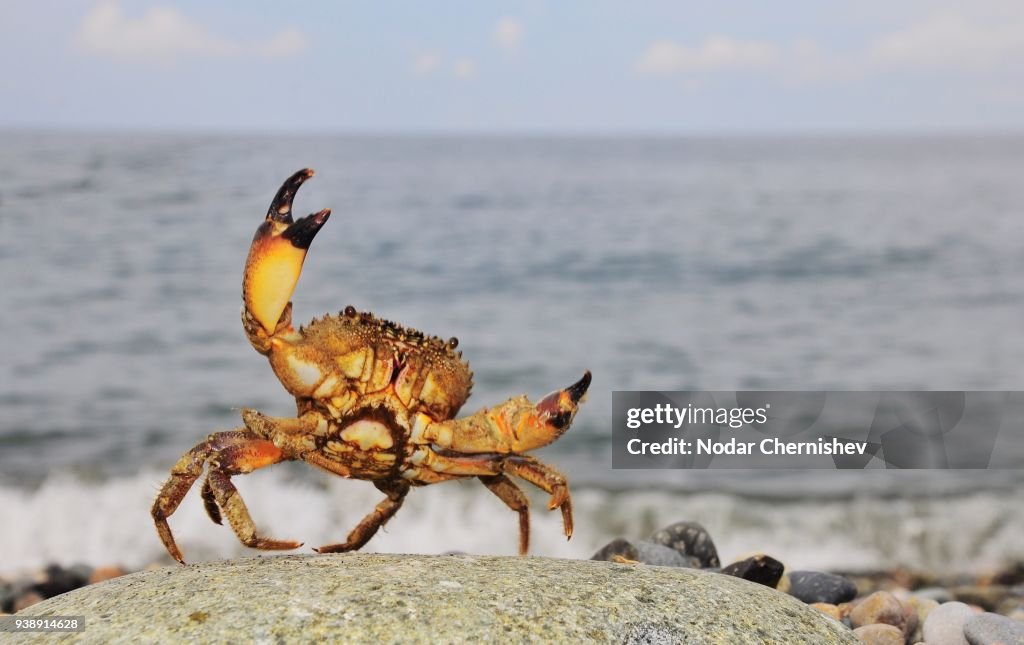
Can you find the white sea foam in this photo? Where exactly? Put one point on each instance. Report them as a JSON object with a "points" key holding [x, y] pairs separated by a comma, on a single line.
{"points": [[67, 520]]}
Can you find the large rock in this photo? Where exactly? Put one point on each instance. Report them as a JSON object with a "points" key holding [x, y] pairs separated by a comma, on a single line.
{"points": [[396, 598]]}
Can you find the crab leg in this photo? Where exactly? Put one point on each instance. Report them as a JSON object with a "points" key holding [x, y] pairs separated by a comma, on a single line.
{"points": [[513, 496], [547, 479], [367, 528], [238, 515], [487, 466], [232, 452], [183, 475]]}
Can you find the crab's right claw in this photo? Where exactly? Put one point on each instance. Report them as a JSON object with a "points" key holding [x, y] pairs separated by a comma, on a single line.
{"points": [[275, 259]]}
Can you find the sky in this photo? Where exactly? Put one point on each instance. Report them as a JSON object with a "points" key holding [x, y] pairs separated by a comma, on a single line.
{"points": [[535, 66]]}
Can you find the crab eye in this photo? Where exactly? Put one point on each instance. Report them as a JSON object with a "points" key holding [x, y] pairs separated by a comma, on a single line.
{"points": [[453, 342], [350, 311]]}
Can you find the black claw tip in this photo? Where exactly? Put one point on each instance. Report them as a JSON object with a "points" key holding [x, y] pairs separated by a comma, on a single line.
{"points": [[302, 232], [561, 420], [579, 388], [281, 208]]}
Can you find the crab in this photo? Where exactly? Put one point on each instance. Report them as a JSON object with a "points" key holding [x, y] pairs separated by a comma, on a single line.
{"points": [[375, 401]]}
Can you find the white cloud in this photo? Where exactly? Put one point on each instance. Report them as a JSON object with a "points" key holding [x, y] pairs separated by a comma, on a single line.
{"points": [[950, 40], [716, 52], [464, 68], [288, 42], [508, 33], [164, 35], [426, 63]]}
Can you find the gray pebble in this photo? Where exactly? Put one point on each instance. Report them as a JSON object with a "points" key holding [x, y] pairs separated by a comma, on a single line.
{"points": [[993, 629], [817, 586], [658, 555], [945, 624], [689, 538]]}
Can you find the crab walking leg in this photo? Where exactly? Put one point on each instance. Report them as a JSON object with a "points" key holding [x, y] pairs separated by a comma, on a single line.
{"points": [[210, 502], [183, 475], [238, 514], [539, 474], [547, 479], [367, 528], [513, 496], [515, 426]]}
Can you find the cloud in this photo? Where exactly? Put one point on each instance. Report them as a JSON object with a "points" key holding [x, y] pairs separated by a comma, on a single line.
{"points": [[464, 68], [426, 63], [508, 33], [950, 40], [714, 53], [164, 35]]}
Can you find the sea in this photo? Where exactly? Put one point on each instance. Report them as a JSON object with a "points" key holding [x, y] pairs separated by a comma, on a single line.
{"points": [[658, 263]]}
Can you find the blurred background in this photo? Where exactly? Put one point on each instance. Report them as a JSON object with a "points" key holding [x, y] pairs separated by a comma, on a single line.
{"points": [[673, 195]]}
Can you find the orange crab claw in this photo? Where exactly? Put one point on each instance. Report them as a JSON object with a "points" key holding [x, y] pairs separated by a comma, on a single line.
{"points": [[277, 253]]}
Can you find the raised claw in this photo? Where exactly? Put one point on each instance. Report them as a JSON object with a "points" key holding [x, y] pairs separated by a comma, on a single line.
{"points": [[513, 426], [281, 208], [275, 261], [559, 407]]}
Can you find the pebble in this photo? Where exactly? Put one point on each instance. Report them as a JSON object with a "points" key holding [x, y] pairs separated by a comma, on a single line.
{"points": [[659, 555], [105, 573], [879, 634], [880, 607], [987, 597], [26, 600], [6, 595], [993, 629], [945, 624], [816, 586], [938, 594], [829, 610], [913, 626], [689, 538], [57, 580], [922, 607], [762, 569], [619, 546]]}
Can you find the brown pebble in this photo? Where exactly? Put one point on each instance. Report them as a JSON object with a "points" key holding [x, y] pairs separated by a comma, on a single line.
{"points": [[783, 585], [910, 613], [880, 607], [26, 600], [99, 574], [845, 608], [829, 610], [879, 634], [986, 597]]}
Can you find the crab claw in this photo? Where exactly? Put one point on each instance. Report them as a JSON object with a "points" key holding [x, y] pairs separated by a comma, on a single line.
{"points": [[513, 426], [557, 409], [276, 255]]}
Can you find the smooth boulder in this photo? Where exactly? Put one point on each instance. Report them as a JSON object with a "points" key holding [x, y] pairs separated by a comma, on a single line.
{"points": [[411, 598]]}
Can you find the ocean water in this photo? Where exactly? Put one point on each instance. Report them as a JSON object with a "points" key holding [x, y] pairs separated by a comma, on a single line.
{"points": [[743, 263]]}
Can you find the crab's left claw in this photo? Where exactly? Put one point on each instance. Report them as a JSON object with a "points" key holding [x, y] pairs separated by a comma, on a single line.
{"points": [[275, 260], [516, 426]]}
